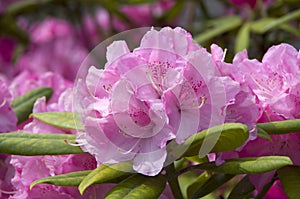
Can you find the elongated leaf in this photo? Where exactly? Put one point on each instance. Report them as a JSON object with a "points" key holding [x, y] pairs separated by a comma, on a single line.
{"points": [[221, 26], [37, 144], [106, 174], [242, 189], [198, 182], [242, 40], [8, 26], [23, 105], [290, 179], [64, 120], [69, 179], [212, 184], [290, 29], [263, 134], [281, 127], [138, 186], [248, 165], [267, 24], [232, 135], [259, 25]]}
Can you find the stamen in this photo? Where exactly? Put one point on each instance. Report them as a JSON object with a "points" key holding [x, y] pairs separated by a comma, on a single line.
{"points": [[252, 130], [8, 192], [3, 103], [224, 55], [203, 100], [130, 150], [268, 116], [72, 144], [259, 85]]}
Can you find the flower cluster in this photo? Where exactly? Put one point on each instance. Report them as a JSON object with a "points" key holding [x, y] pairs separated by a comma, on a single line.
{"points": [[165, 91]]}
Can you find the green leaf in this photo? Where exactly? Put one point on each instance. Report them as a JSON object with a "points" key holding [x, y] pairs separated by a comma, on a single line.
{"points": [[230, 136], [106, 174], [198, 182], [242, 189], [290, 179], [281, 127], [290, 29], [23, 105], [256, 165], [260, 25], [9, 27], [64, 120], [37, 144], [242, 40], [23, 7], [263, 134], [138, 186], [220, 26], [69, 179], [212, 184], [267, 24]]}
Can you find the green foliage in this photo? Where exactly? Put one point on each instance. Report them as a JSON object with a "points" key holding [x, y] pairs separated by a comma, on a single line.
{"points": [[69, 179], [106, 174], [197, 183], [218, 27], [290, 179], [266, 24], [243, 37], [63, 120], [243, 189], [281, 127], [138, 186], [37, 144], [23, 105], [214, 182], [256, 165], [229, 137]]}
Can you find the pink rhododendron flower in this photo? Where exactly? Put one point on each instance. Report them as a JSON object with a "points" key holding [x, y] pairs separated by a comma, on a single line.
{"points": [[29, 169], [245, 108], [6, 174], [276, 192], [168, 88], [275, 81], [55, 47]]}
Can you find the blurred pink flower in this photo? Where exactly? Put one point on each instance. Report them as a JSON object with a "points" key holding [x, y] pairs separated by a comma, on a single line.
{"points": [[55, 47], [98, 26], [26, 81], [143, 15], [7, 45], [146, 97], [8, 119], [241, 3]]}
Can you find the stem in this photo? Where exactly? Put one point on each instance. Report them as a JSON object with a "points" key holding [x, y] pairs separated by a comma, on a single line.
{"points": [[173, 181]]}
